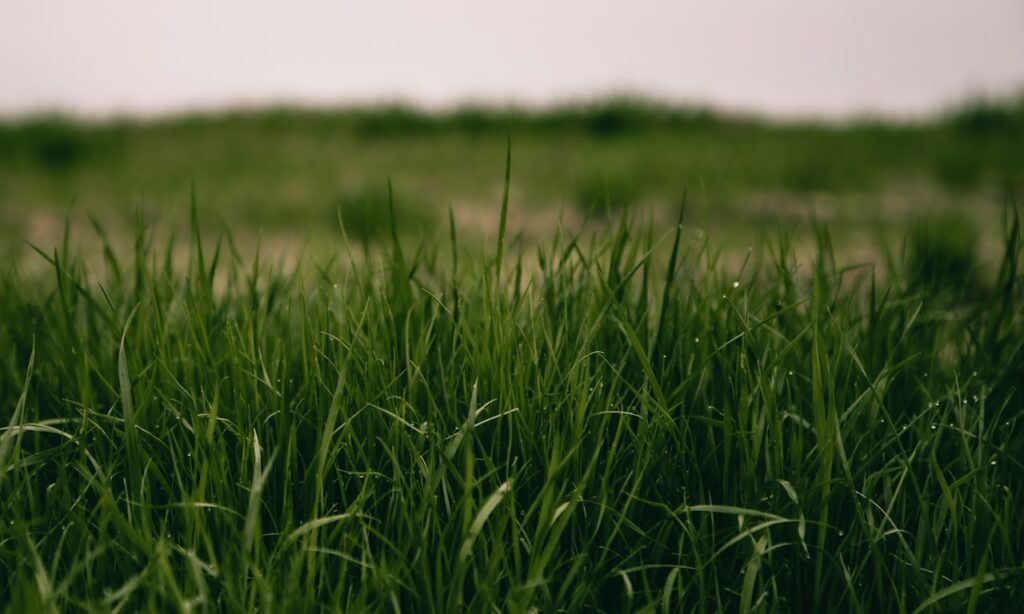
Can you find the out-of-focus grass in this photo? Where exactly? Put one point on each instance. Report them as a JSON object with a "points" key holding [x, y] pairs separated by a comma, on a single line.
{"points": [[281, 169]]}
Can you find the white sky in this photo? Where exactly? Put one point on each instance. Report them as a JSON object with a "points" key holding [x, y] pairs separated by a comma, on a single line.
{"points": [[819, 57]]}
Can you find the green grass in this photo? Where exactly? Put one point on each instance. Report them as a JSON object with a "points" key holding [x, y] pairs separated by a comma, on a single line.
{"points": [[611, 421], [284, 171]]}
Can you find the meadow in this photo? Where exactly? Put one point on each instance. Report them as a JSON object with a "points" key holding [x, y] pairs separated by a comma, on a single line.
{"points": [[282, 175], [619, 414]]}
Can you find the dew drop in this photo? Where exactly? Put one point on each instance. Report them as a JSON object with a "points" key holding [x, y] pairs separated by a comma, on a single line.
{"points": [[735, 284], [934, 427]]}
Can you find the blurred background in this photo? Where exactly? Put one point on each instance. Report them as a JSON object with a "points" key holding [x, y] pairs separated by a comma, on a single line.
{"points": [[876, 116]]}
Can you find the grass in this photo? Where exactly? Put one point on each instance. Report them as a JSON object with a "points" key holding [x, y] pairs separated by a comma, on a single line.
{"points": [[612, 421], [285, 171]]}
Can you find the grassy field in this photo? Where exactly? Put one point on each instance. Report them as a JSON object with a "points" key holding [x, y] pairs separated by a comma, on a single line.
{"points": [[601, 420], [554, 390], [285, 174]]}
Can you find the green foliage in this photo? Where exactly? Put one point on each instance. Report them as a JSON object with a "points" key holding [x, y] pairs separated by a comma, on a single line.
{"points": [[606, 194], [364, 212], [989, 117], [943, 253], [283, 170], [612, 422]]}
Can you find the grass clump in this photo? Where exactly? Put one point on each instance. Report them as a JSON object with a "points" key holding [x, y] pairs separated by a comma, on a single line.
{"points": [[364, 213], [606, 195], [614, 422], [943, 253]]}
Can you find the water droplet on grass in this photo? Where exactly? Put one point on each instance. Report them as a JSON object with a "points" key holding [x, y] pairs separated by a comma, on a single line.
{"points": [[735, 284]]}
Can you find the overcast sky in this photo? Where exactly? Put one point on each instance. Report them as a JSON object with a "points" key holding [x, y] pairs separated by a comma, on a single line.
{"points": [[819, 57]]}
